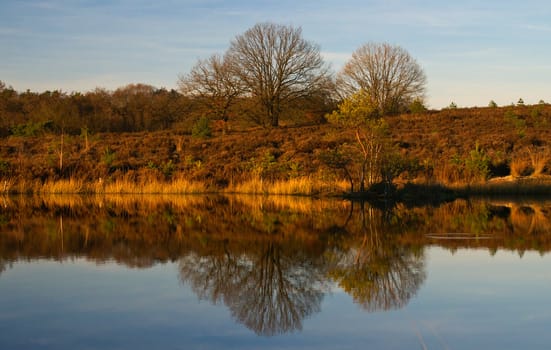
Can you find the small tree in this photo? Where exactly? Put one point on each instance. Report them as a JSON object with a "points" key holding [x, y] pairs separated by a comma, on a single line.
{"points": [[492, 104], [371, 133], [417, 107], [201, 128]]}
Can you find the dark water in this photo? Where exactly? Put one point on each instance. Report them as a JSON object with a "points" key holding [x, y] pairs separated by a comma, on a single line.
{"points": [[277, 272]]}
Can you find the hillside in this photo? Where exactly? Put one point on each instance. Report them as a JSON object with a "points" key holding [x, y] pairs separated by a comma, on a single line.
{"points": [[437, 143]]}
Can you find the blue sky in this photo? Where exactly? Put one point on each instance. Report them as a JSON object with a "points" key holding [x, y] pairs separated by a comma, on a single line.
{"points": [[471, 51]]}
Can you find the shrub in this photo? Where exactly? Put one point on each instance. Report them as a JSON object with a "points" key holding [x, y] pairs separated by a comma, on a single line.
{"points": [[108, 156], [417, 107], [31, 128], [477, 164], [168, 169], [201, 128]]}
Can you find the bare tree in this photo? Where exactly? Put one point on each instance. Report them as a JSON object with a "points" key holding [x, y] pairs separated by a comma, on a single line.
{"points": [[277, 66], [389, 75], [212, 80]]}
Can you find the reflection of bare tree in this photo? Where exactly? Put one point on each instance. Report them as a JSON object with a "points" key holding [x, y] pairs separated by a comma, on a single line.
{"points": [[376, 271], [271, 289]]}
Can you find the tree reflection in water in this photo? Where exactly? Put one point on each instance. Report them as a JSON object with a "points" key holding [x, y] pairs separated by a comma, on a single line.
{"points": [[374, 269], [270, 289], [270, 260]]}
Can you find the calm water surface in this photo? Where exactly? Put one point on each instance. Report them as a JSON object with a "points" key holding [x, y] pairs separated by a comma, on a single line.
{"points": [[250, 272]]}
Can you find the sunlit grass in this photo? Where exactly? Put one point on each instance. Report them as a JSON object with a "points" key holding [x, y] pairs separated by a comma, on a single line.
{"points": [[62, 187], [176, 186], [306, 186], [118, 186]]}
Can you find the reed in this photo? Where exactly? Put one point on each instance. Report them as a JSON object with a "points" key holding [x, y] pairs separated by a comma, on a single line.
{"points": [[539, 159], [176, 186], [69, 186], [306, 186], [519, 166], [118, 186]]}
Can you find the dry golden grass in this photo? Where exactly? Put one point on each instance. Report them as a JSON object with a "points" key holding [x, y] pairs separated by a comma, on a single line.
{"points": [[519, 166], [539, 158], [120, 186], [307, 186], [176, 186], [62, 187]]}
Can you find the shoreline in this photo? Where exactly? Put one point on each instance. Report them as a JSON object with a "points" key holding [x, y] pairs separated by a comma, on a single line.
{"points": [[301, 186]]}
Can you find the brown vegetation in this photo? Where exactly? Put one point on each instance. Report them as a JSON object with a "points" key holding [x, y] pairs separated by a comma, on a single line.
{"points": [[452, 146]]}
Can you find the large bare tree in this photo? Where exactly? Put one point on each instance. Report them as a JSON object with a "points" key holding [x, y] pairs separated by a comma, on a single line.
{"points": [[387, 73], [213, 82], [277, 66]]}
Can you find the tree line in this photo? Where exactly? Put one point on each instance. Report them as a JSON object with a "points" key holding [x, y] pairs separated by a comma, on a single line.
{"points": [[268, 74], [135, 107]]}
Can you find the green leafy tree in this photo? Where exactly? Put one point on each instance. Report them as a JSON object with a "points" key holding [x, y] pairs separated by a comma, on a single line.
{"points": [[371, 133]]}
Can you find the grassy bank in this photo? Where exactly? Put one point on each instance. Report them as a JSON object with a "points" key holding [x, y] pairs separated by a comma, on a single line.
{"points": [[306, 186], [300, 186], [76, 186]]}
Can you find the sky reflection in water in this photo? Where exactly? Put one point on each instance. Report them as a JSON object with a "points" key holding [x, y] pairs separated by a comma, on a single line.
{"points": [[313, 275]]}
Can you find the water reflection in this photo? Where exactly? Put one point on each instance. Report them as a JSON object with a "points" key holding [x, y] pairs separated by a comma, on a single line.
{"points": [[271, 288], [373, 267], [269, 260]]}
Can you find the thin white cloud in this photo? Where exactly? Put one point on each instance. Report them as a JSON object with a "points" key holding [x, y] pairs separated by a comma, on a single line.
{"points": [[538, 28]]}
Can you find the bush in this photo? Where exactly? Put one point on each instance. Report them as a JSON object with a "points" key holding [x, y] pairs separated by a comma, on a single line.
{"points": [[417, 107], [477, 165], [168, 169], [108, 156], [31, 128], [201, 128]]}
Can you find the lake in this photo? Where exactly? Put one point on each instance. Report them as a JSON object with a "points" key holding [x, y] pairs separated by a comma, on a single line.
{"points": [[245, 272]]}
